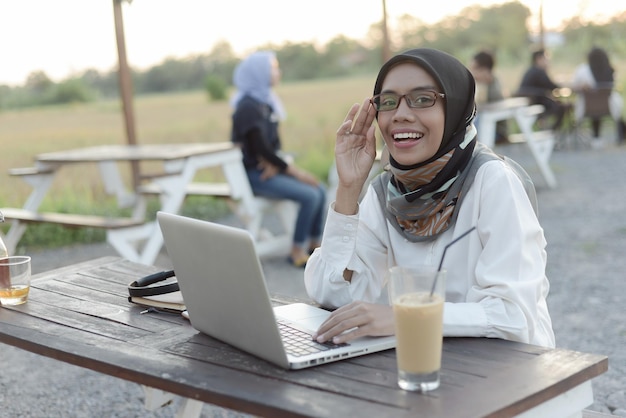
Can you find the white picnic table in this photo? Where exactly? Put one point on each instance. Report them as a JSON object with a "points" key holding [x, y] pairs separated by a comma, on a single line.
{"points": [[540, 143], [134, 238]]}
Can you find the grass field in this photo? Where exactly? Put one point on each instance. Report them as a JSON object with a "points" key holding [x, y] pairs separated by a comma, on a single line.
{"points": [[315, 109]]}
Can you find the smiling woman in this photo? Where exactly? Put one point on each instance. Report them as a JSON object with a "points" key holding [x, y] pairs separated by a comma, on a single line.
{"points": [[439, 183]]}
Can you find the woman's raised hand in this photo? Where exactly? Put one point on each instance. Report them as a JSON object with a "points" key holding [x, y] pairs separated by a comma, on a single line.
{"points": [[355, 149], [355, 152]]}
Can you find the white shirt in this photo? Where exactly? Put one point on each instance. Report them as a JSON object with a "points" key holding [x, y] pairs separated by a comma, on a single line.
{"points": [[495, 284], [583, 78]]}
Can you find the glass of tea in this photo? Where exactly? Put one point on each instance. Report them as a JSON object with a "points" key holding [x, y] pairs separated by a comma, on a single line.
{"points": [[14, 279]]}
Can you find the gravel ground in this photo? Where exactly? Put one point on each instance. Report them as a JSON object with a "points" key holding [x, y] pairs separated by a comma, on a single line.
{"points": [[585, 226]]}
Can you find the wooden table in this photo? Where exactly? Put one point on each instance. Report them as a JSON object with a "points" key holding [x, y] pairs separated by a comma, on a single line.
{"points": [[80, 315], [134, 238], [518, 108]]}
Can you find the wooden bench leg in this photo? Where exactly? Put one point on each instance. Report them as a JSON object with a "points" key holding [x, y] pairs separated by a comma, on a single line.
{"points": [[114, 185], [128, 242], [190, 408], [267, 243], [541, 152], [156, 398]]}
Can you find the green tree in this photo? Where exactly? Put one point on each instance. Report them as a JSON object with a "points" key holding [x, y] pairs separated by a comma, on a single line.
{"points": [[300, 61], [216, 87], [106, 84], [581, 36], [341, 55], [221, 62], [38, 82], [69, 91], [501, 28]]}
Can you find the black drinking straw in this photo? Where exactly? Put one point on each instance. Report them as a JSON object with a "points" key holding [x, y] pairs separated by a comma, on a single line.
{"points": [[432, 290]]}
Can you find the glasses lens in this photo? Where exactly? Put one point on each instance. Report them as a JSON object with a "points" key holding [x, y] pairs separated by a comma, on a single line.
{"points": [[418, 99], [421, 99], [386, 101]]}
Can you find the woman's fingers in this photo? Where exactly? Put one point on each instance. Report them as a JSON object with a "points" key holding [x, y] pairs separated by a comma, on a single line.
{"points": [[355, 320], [346, 318], [364, 119], [346, 127], [360, 124]]}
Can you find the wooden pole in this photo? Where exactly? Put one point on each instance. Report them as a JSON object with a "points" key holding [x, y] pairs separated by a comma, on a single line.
{"points": [[386, 52], [126, 86], [542, 34]]}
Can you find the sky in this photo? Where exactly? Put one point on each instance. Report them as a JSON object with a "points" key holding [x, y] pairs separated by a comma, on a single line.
{"points": [[65, 37]]}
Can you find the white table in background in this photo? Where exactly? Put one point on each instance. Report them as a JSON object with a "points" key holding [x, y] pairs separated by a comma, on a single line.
{"points": [[180, 163], [525, 114]]}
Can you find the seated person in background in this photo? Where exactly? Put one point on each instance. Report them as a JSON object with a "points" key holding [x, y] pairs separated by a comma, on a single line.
{"points": [[440, 184], [258, 111], [598, 72], [538, 86], [488, 89]]}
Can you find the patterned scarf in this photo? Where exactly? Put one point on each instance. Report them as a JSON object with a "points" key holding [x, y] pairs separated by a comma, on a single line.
{"points": [[422, 199], [389, 198]]}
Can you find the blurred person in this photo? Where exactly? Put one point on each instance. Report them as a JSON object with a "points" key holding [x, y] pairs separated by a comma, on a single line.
{"points": [[440, 184], [598, 72], [538, 86], [255, 128], [488, 89]]}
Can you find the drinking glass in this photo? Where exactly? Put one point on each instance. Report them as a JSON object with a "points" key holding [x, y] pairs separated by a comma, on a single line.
{"points": [[417, 295], [14, 279]]}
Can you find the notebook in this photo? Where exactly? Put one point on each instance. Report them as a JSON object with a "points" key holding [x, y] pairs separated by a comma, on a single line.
{"points": [[222, 282]]}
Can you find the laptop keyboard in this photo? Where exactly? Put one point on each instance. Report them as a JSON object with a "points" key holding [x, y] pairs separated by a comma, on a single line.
{"points": [[299, 343]]}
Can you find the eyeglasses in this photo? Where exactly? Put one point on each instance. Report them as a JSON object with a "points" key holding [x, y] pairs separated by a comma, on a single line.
{"points": [[417, 99]]}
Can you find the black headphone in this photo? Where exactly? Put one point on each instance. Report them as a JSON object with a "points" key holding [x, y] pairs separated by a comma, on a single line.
{"points": [[143, 287]]}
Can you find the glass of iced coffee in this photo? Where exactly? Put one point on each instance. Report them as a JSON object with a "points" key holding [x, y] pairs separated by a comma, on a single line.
{"points": [[417, 295]]}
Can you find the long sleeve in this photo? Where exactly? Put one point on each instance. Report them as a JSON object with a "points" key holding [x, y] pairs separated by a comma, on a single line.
{"points": [[256, 131], [496, 284], [536, 82], [259, 146]]}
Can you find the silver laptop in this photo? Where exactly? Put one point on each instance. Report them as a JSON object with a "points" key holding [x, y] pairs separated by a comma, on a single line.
{"points": [[222, 282]]}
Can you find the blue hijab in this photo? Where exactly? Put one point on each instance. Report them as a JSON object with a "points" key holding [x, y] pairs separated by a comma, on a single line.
{"points": [[253, 77]]}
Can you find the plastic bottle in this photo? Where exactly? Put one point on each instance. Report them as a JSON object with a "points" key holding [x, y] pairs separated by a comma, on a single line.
{"points": [[5, 280], [3, 248]]}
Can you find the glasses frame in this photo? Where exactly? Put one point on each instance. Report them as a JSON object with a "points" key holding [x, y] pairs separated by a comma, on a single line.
{"points": [[435, 94]]}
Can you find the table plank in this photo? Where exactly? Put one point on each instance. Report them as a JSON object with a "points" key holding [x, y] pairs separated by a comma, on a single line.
{"points": [[72, 220], [538, 380], [260, 393], [147, 152]]}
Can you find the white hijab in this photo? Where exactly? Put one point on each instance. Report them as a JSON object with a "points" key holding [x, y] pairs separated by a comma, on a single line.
{"points": [[253, 77]]}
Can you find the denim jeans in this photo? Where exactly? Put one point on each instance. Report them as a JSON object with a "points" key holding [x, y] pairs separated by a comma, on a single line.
{"points": [[312, 201]]}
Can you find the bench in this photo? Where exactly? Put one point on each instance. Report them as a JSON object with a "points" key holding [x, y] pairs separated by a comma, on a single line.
{"points": [[116, 228], [69, 220], [541, 144], [250, 210], [221, 190], [544, 135], [40, 179], [135, 238], [29, 171]]}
